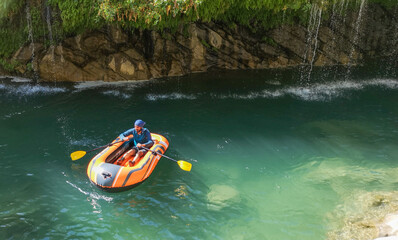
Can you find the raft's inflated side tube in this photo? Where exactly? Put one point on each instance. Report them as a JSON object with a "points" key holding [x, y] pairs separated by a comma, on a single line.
{"points": [[106, 174]]}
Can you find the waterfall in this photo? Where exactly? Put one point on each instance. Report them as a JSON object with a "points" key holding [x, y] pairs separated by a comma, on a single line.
{"points": [[32, 44], [316, 44], [393, 58], [312, 42], [344, 6], [48, 18], [356, 35], [50, 37]]}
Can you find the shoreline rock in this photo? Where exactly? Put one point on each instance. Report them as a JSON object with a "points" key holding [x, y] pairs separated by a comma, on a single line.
{"points": [[113, 54]]}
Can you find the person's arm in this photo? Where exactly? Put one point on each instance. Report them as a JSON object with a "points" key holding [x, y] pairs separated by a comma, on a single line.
{"points": [[126, 133]]}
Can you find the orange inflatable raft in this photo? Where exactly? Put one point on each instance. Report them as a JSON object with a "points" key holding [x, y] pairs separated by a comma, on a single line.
{"points": [[106, 172]]}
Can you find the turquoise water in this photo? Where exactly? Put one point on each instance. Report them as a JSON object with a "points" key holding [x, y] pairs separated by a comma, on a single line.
{"points": [[272, 159]]}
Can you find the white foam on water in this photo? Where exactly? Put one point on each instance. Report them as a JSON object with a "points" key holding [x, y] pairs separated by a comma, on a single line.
{"points": [[21, 80], [95, 196], [315, 92], [171, 96], [13, 114], [16, 79], [96, 84], [116, 93], [328, 91], [389, 83], [276, 83], [83, 142], [30, 90]]}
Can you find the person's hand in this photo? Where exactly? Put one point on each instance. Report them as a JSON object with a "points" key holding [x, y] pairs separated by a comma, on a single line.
{"points": [[125, 138], [139, 145]]}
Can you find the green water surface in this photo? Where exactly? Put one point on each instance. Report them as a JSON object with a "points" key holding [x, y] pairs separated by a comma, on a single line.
{"points": [[272, 158]]}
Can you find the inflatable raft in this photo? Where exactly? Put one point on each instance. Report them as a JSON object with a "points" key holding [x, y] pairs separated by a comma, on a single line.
{"points": [[105, 171]]}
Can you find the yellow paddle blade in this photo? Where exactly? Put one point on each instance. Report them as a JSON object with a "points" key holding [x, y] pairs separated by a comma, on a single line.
{"points": [[76, 155], [186, 166]]}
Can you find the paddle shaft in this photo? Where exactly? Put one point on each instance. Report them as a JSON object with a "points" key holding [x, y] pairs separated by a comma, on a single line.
{"points": [[159, 154], [107, 145]]}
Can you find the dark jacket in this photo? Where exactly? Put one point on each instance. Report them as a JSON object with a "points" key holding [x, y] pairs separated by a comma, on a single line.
{"points": [[143, 138]]}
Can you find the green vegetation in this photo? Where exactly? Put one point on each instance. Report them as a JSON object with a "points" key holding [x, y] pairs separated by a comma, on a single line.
{"points": [[386, 3], [205, 44], [9, 7], [78, 16], [9, 66], [71, 17]]}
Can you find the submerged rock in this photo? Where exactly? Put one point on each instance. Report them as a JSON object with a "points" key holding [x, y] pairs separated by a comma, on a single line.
{"points": [[363, 214], [366, 215], [387, 238], [389, 226], [221, 196], [342, 175]]}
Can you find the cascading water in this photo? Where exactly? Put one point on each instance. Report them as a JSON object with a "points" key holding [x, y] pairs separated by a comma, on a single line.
{"points": [[319, 18], [50, 37], [393, 59], [356, 35], [312, 43], [30, 37], [344, 6], [48, 18]]}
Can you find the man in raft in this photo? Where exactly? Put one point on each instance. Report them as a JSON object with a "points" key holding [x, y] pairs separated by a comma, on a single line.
{"points": [[141, 138]]}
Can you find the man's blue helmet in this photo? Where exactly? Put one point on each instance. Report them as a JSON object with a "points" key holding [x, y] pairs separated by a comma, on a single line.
{"points": [[139, 123]]}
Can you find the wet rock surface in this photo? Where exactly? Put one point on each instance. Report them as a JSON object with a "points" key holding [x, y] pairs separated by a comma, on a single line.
{"points": [[113, 54]]}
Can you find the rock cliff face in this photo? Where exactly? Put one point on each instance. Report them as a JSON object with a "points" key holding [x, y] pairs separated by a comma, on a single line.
{"points": [[112, 54]]}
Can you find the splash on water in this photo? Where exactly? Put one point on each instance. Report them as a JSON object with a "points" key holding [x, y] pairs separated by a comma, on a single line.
{"points": [[30, 90], [12, 114], [116, 93], [171, 96], [96, 84], [94, 195], [315, 92], [83, 142], [21, 80]]}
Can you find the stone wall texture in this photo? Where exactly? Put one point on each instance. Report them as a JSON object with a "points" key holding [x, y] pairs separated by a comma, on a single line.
{"points": [[113, 54]]}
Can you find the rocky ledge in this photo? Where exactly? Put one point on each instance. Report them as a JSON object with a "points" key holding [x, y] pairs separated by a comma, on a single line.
{"points": [[113, 54]]}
